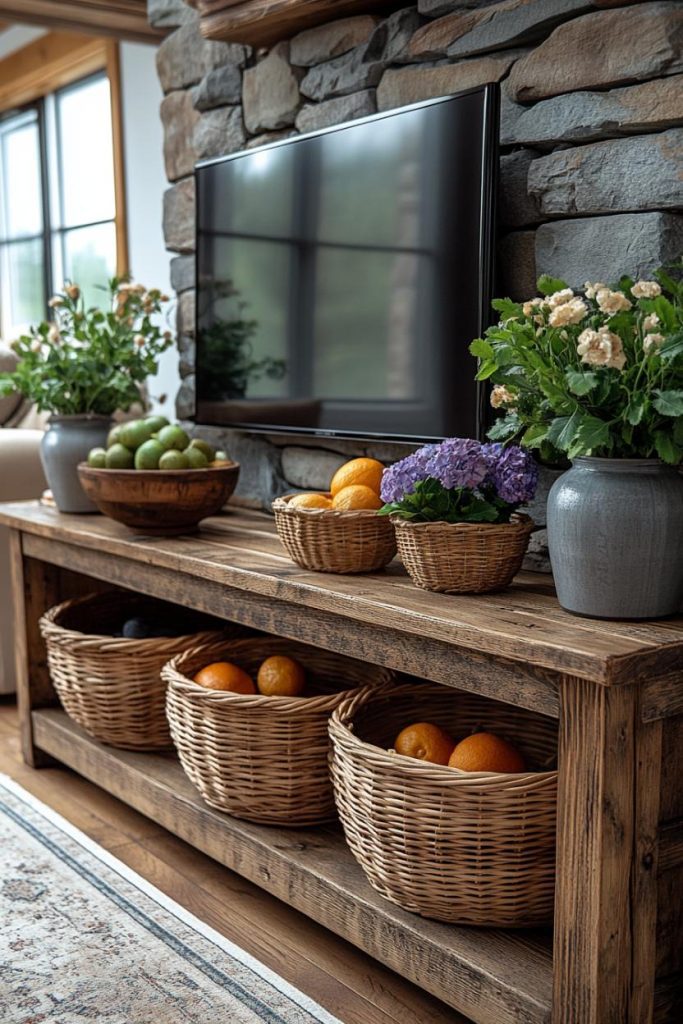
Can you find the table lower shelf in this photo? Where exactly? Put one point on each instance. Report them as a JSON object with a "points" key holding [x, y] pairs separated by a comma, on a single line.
{"points": [[488, 975]]}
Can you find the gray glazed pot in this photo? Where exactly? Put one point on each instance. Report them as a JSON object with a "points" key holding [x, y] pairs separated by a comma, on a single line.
{"points": [[65, 443], [615, 533]]}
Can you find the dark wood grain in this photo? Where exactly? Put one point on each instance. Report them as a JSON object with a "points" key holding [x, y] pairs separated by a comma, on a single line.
{"points": [[595, 837], [264, 22], [236, 556], [494, 977]]}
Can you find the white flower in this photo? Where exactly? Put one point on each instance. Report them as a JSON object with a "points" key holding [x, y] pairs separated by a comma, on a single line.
{"points": [[139, 340], [559, 298], [591, 290], [652, 341], [501, 396], [36, 345], [612, 302], [53, 335], [529, 306], [72, 290], [646, 289], [650, 322], [55, 301], [601, 348], [571, 312]]}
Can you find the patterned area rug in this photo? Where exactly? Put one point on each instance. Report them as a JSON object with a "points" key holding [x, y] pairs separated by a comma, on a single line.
{"points": [[84, 938]]}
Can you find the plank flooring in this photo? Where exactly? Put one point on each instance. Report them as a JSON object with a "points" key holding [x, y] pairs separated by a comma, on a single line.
{"points": [[345, 981]]}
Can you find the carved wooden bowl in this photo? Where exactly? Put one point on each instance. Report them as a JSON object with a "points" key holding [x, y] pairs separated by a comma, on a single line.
{"points": [[159, 502]]}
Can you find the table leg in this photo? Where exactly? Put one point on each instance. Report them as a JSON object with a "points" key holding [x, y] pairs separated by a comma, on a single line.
{"points": [[35, 588], [605, 903]]}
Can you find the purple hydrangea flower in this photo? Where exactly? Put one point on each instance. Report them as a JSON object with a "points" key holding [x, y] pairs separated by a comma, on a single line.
{"points": [[400, 479], [512, 472], [458, 462]]}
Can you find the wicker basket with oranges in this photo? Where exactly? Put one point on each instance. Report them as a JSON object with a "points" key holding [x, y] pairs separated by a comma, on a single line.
{"points": [[338, 531], [449, 801], [249, 721]]}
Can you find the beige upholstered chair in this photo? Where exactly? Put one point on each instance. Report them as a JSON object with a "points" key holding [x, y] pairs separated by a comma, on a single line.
{"points": [[21, 476]]}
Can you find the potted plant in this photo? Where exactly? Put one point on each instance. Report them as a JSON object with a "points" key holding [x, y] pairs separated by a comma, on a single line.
{"points": [[596, 376], [81, 368], [454, 507]]}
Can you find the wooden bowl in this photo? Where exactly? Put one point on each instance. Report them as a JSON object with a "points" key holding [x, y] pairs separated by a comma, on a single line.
{"points": [[156, 501]]}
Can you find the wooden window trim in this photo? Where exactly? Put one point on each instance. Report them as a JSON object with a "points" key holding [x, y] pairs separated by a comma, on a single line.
{"points": [[59, 59]]}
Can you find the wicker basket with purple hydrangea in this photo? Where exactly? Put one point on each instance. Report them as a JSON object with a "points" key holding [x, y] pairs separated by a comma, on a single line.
{"points": [[455, 507]]}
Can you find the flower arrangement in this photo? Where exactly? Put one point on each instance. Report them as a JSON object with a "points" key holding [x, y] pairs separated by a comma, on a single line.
{"points": [[595, 372], [459, 481], [90, 360]]}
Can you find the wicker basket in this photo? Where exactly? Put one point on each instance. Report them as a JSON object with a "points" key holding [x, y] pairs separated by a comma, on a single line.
{"points": [[463, 558], [472, 848], [329, 540], [112, 686], [264, 759]]}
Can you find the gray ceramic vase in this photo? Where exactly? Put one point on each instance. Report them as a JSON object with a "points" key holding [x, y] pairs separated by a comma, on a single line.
{"points": [[615, 533], [65, 443]]}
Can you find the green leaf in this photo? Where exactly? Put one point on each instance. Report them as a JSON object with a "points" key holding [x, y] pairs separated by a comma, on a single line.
{"points": [[563, 429], [504, 428], [487, 369], [581, 383], [666, 312], [592, 433], [678, 431], [481, 349], [669, 403], [507, 308], [667, 449], [535, 435], [672, 347], [635, 409], [547, 285]]}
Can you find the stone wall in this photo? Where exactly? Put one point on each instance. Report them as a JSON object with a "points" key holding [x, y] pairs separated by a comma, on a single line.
{"points": [[591, 136]]}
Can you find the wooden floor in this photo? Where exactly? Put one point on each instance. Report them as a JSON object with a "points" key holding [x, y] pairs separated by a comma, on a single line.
{"points": [[345, 981]]}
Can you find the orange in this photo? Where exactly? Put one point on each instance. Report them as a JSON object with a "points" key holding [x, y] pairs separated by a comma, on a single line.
{"points": [[280, 676], [367, 472], [425, 741], [310, 501], [223, 675], [484, 752], [356, 496]]}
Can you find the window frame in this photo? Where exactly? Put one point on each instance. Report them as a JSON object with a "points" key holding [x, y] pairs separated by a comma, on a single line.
{"points": [[56, 61]]}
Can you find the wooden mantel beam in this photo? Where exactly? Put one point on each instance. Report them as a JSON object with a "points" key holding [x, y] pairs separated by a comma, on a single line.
{"points": [[123, 19], [264, 22]]}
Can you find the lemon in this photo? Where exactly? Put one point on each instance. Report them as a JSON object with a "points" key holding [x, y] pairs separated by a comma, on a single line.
{"points": [[196, 458], [134, 434], [204, 447], [173, 437], [173, 459], [119, 457], [148, 454], [97, 458]]}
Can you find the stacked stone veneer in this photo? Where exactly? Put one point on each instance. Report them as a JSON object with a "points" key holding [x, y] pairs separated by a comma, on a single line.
{"points": [[592, 144]]}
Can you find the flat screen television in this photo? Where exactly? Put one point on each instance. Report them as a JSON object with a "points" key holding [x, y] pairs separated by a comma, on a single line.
{"points": [[341, 275]]}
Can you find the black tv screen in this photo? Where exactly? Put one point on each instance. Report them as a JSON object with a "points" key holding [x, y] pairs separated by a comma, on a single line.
{"points": [[341, 275]]}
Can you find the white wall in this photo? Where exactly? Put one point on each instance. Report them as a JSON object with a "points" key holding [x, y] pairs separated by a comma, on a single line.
{"points": [[143, 145]]}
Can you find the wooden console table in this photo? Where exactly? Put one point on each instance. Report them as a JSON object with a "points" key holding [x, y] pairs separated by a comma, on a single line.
{"points": [[616, 956]]}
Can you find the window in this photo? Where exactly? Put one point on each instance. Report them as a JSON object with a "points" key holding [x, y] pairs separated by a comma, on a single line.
{"points": [[60, 210]]}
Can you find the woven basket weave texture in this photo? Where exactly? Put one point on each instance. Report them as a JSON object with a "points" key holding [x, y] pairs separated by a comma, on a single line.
{"points": [[463, 558], [112, 686], [265, 759], [329, 540], [471, 848]]}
